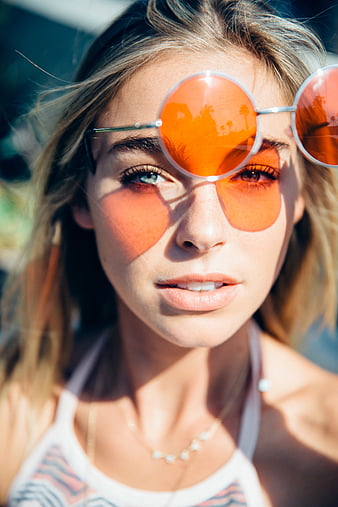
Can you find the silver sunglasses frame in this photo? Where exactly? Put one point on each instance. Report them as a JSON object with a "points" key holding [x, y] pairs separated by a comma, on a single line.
{"points": [[259, 112]]}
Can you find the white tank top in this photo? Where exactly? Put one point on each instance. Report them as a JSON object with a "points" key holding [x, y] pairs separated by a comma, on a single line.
{"points": [[58, 473]]}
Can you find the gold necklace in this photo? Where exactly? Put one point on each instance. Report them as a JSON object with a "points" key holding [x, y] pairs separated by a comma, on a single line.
{"points": [[197, 442]]}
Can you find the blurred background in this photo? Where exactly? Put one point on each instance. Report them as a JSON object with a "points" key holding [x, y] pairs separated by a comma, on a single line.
{"points": [[42, 42]]}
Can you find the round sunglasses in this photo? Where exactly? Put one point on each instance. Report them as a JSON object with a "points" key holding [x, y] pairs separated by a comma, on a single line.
{"points": [[208, 124]]}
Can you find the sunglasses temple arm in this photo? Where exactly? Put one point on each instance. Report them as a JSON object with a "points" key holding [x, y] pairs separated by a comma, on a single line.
{"points": [[135, 126]]}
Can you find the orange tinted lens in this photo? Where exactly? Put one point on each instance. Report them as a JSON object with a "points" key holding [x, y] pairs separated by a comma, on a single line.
{"points": [[251, 198], [208, 125], [317, 116], [137, 220]]}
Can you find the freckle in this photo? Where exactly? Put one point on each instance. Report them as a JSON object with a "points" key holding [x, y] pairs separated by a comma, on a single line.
{"points": [[136, 220]]}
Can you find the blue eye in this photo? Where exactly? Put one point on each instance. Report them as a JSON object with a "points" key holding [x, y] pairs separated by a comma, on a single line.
{"points": [[150, 178], [143, 175]]}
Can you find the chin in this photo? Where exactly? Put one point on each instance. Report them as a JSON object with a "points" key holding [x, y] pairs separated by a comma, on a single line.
{"points": [[206, 334]]}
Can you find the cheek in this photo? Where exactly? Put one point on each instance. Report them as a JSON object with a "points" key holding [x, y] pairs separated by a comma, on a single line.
{"points": [[135, 221], [250, 208], [252, 199], [272, 245]]}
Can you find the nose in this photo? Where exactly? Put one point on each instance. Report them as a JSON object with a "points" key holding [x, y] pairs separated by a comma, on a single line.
{"points": [[203, 225]]}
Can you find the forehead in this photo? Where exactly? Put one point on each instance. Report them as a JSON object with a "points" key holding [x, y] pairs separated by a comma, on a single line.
{"points": [[140, 98]]}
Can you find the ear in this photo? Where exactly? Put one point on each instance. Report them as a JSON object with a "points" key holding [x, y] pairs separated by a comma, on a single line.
{"points": [[299, 209], [82, 216]]}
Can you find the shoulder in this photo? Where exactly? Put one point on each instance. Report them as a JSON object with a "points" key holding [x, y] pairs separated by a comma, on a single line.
{"points": [[299, 430], [21, 429], [305, 395]]}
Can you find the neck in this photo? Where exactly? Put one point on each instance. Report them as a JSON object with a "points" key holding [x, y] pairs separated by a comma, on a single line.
{"points": [[165, 383]]}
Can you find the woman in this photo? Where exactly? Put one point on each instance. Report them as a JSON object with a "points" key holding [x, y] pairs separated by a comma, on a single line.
{"points": [[175, 248]]}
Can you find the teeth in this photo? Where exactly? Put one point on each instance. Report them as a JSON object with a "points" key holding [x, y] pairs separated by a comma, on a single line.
{"points": [[200, 286]]}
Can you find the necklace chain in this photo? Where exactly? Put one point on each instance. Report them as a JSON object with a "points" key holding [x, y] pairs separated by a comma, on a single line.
{"points": [[197, 442]]}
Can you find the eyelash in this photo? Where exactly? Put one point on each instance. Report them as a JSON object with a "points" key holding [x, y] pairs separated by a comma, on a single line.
{"points": [[271, 173], [129, 176]]}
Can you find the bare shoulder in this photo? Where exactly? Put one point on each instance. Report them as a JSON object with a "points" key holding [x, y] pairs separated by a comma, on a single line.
{"points": [[299, 431], [19, 431], [300, 388]]}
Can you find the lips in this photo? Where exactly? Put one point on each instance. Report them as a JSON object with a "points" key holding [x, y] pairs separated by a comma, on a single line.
{"points": [[198, 286], [199, 293]]}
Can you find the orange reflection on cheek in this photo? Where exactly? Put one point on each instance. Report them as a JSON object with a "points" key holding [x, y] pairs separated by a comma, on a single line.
{"points": [[137, 220], [249, 204]]}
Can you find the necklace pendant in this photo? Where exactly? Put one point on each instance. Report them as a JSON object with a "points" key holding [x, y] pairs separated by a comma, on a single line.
{"points": [[195, 445], [157, 455], [184, 455], [170, 458], [204, 436]]}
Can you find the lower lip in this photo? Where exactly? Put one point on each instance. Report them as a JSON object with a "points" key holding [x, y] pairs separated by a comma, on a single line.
{"points": [[198, 301]]}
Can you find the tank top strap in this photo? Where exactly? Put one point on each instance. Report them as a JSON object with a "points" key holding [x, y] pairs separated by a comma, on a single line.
{"points": [[69, 396], [250, 423]]}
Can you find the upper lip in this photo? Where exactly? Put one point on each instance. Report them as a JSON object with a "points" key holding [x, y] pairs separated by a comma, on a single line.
{"points": [[202, 278]]}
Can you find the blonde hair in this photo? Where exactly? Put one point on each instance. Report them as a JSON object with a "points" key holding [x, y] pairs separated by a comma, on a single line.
{"points": [[51, 292]]}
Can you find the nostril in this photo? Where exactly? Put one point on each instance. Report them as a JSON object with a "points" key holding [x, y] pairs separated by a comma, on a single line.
{"points": [[188, 244]]}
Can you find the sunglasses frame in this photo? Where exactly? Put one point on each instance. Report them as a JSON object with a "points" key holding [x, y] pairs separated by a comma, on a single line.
{"points": [[258, 137], [300, 90]]}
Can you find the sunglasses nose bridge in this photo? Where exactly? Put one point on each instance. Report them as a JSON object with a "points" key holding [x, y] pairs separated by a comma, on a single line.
{"points": [[276, 109]]}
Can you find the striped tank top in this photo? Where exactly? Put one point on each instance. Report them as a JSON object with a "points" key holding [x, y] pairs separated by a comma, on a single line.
{"points": [[58, 473]]}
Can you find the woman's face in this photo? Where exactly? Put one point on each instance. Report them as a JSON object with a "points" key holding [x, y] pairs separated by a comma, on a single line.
{"points": [[189, 259]]}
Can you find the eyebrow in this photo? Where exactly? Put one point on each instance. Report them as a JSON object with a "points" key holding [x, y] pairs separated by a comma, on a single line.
{"points": [[269, 143], [151, 145], [146, 144]]}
